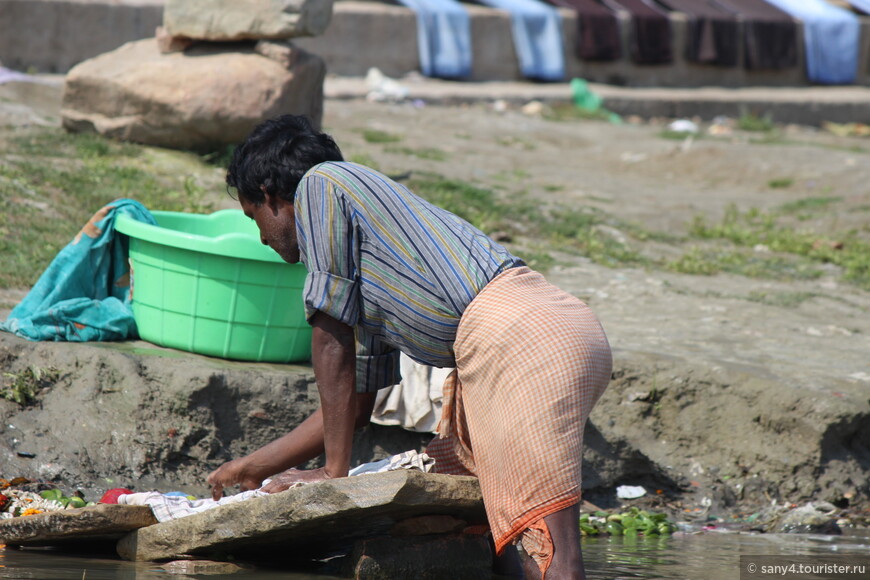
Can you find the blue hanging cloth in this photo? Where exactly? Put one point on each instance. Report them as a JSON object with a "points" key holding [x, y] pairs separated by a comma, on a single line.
{"points": [[832, 39], [862, 6], [84, 294], [443, 37], [537, 34]]}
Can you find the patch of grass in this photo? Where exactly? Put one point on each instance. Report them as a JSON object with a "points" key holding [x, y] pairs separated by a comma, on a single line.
{"points": [[377, 136], [512, 176], [429, 153], [754, 227], [52, 182], [221, 157], [809, 204], [780, 183], [540, 260], [743, 262], [364, 159], [678, 135], [752, 122], [516, 142], [476, 205], [24, 386], [569, 229], [571, 112], [553, 188], [782, 299]]}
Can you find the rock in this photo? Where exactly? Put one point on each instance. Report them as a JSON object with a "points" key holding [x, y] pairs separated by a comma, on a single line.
{"points": [[96, 523], [428, 525], [422, 558], [228, 20], [167, 43], [311, 520], [202, 99], [812, 518], [202, 567]]}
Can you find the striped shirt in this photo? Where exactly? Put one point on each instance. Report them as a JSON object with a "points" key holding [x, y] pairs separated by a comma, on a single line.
{"points": [[386, 262]]}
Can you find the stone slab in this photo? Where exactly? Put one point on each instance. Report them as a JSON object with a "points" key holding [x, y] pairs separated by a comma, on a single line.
{"points": [[100, 523], [228, 20], [300, 522]]}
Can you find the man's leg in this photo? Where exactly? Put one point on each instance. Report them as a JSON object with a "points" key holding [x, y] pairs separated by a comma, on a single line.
{"points": [[567, 563]]}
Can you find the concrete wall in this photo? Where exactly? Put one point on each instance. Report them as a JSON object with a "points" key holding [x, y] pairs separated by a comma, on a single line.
{"points": [[54, 35]]}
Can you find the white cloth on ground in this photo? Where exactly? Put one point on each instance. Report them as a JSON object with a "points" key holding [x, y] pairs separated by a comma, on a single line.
{"points": [[415, 403], [171, 507]]}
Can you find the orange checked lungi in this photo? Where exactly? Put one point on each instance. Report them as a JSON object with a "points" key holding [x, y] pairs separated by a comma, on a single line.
{"points": [[531, 361]]}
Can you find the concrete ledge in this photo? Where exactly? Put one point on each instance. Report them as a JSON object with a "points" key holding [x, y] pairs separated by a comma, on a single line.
{"points": [[799, 105], [55, 35]]}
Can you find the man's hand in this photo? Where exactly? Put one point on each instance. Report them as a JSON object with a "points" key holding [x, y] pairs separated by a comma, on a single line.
{"points": [[286, 479], [229, 474]]}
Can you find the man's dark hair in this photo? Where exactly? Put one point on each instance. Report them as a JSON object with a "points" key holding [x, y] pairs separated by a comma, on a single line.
{"points": [[276, 155]]}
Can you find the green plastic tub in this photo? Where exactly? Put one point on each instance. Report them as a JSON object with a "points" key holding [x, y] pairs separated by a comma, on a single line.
{"points": [[206, 284]]}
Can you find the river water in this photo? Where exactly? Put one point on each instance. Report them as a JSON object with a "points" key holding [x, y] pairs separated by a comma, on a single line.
{"points": [[701, 556]]}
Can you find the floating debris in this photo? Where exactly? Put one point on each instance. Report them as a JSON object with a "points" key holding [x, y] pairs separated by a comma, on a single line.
{"points": [[630, 523]]}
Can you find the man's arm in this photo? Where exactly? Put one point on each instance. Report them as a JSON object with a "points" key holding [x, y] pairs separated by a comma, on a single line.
{"points": [[333, 354], [330, 428]]}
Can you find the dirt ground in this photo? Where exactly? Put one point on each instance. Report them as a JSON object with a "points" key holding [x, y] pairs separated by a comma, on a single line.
{"points": [[729, 391]]}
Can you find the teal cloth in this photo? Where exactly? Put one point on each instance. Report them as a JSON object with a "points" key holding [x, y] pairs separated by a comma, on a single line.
{"points": [[85, 293]]}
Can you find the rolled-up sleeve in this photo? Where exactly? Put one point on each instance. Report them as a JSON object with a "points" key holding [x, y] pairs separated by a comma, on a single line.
{"points": [[329, 248]]}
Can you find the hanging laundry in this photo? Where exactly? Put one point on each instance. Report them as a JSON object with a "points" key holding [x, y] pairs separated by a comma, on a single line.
{"points": [[443, 37], [832, 37], [650, 34], [770, 35], [598, 32], [713, 33], [537, 34]]}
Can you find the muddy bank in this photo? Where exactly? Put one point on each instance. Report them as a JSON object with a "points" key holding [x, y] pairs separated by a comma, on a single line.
{"points": [[712, 435], [730, 392], [138, 416]]}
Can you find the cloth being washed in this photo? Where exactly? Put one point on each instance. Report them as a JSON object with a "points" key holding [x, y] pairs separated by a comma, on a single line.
{"points": [[171, 507]]}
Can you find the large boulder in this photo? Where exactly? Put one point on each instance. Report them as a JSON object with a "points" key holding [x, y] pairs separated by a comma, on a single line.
{"points": [[206, 97], [223, 20]]}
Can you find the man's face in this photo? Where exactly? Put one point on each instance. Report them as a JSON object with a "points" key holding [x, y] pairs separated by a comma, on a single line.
{"points": [[276, 219]]}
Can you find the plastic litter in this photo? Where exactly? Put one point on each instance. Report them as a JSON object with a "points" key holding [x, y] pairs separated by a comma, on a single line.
{"points": [[683, 126], [383, 88], [533, 108], [588, 101], [630, 491]]}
